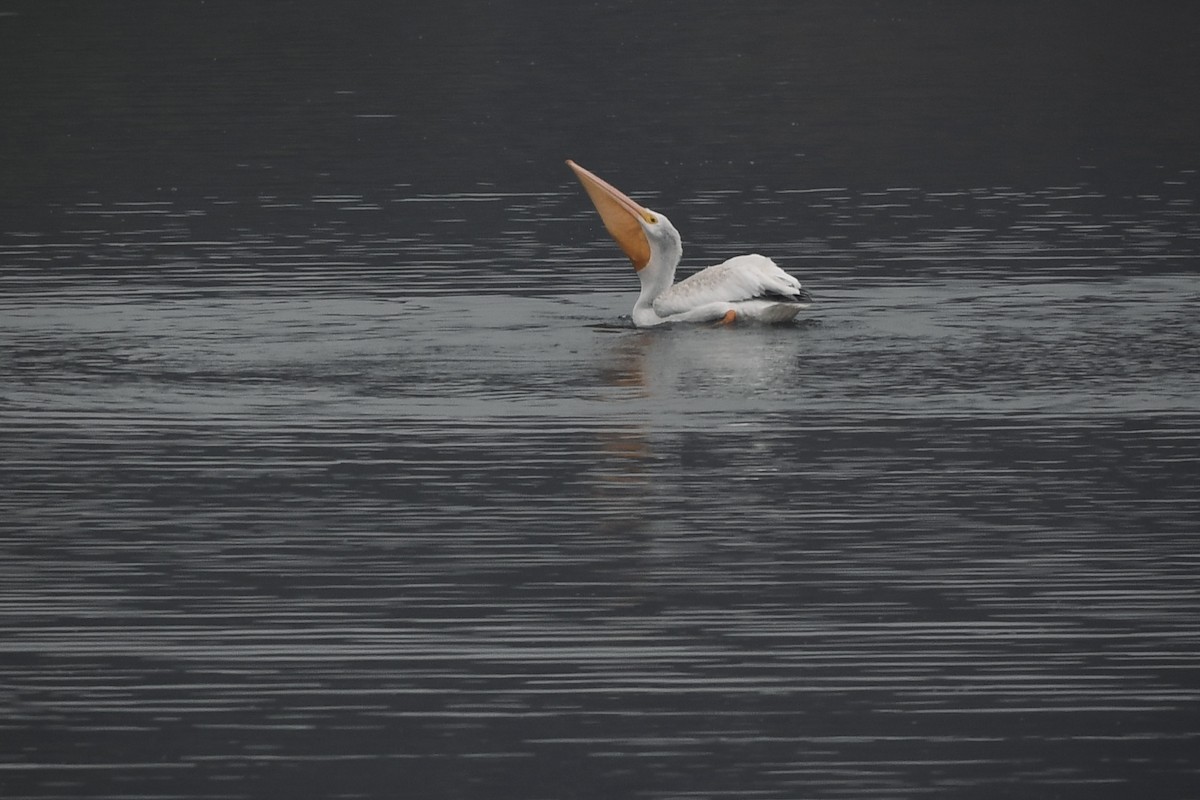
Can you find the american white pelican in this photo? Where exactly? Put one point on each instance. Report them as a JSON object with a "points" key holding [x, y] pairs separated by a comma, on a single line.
{"points": [[742, 288]]}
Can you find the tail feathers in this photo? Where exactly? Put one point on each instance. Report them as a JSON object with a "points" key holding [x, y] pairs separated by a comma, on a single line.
{"points": [[800, 295]]}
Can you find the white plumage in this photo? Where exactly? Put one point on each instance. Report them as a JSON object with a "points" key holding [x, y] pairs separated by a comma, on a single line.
{"points": [[739, 279], [750, 287]]}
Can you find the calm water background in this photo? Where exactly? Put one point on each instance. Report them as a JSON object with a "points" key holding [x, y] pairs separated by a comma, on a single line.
{"points": [[330, 468]]}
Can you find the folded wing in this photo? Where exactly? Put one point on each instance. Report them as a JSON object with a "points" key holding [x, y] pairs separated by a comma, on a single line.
{"points": [[751, 277]]}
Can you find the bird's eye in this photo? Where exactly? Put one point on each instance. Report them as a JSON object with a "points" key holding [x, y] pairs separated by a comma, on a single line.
{"points": [[653, 220]]}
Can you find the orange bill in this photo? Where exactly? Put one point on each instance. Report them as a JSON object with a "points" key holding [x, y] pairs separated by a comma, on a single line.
{"points": [[620, 215]]}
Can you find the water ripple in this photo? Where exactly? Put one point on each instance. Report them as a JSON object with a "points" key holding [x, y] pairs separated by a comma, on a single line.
{"points": [[349, 507]]}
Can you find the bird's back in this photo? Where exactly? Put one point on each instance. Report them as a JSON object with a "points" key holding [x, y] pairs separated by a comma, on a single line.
{"points": [[741, 278]]}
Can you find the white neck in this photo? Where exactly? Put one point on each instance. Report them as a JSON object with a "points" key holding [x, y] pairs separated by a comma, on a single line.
{"points": [[657, 276]]}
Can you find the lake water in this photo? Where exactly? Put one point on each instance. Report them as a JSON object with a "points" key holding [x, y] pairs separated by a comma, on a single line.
{"points": [[332, 467]]}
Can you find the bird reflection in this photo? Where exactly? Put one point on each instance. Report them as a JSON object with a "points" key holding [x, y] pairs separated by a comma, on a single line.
{"points": [[626, 366]]}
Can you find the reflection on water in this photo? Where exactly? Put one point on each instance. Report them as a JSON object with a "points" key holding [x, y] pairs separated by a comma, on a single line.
{"points": [[313, 512]]}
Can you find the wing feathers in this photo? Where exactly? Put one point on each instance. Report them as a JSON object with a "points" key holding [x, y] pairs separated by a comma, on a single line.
{"points": [[740, 278]]}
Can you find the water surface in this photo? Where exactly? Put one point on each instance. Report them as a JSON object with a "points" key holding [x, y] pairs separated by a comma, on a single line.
{"points": [[359, 483]]}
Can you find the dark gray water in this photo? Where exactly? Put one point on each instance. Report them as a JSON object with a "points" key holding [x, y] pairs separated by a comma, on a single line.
{"points": [[330, 467]]}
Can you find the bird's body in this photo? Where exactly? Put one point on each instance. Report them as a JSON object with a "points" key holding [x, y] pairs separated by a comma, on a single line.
{"points": [[753, 287], [750, 287]]}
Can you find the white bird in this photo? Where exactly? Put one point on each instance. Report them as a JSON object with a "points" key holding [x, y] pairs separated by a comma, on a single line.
{"points": [[749, 287]]}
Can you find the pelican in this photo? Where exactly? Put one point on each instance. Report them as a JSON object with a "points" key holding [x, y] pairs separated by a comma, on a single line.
{"points": [[749, 287]]}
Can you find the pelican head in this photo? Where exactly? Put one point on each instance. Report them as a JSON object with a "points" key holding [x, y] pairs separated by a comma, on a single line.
{"points": [[647, 237]]}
